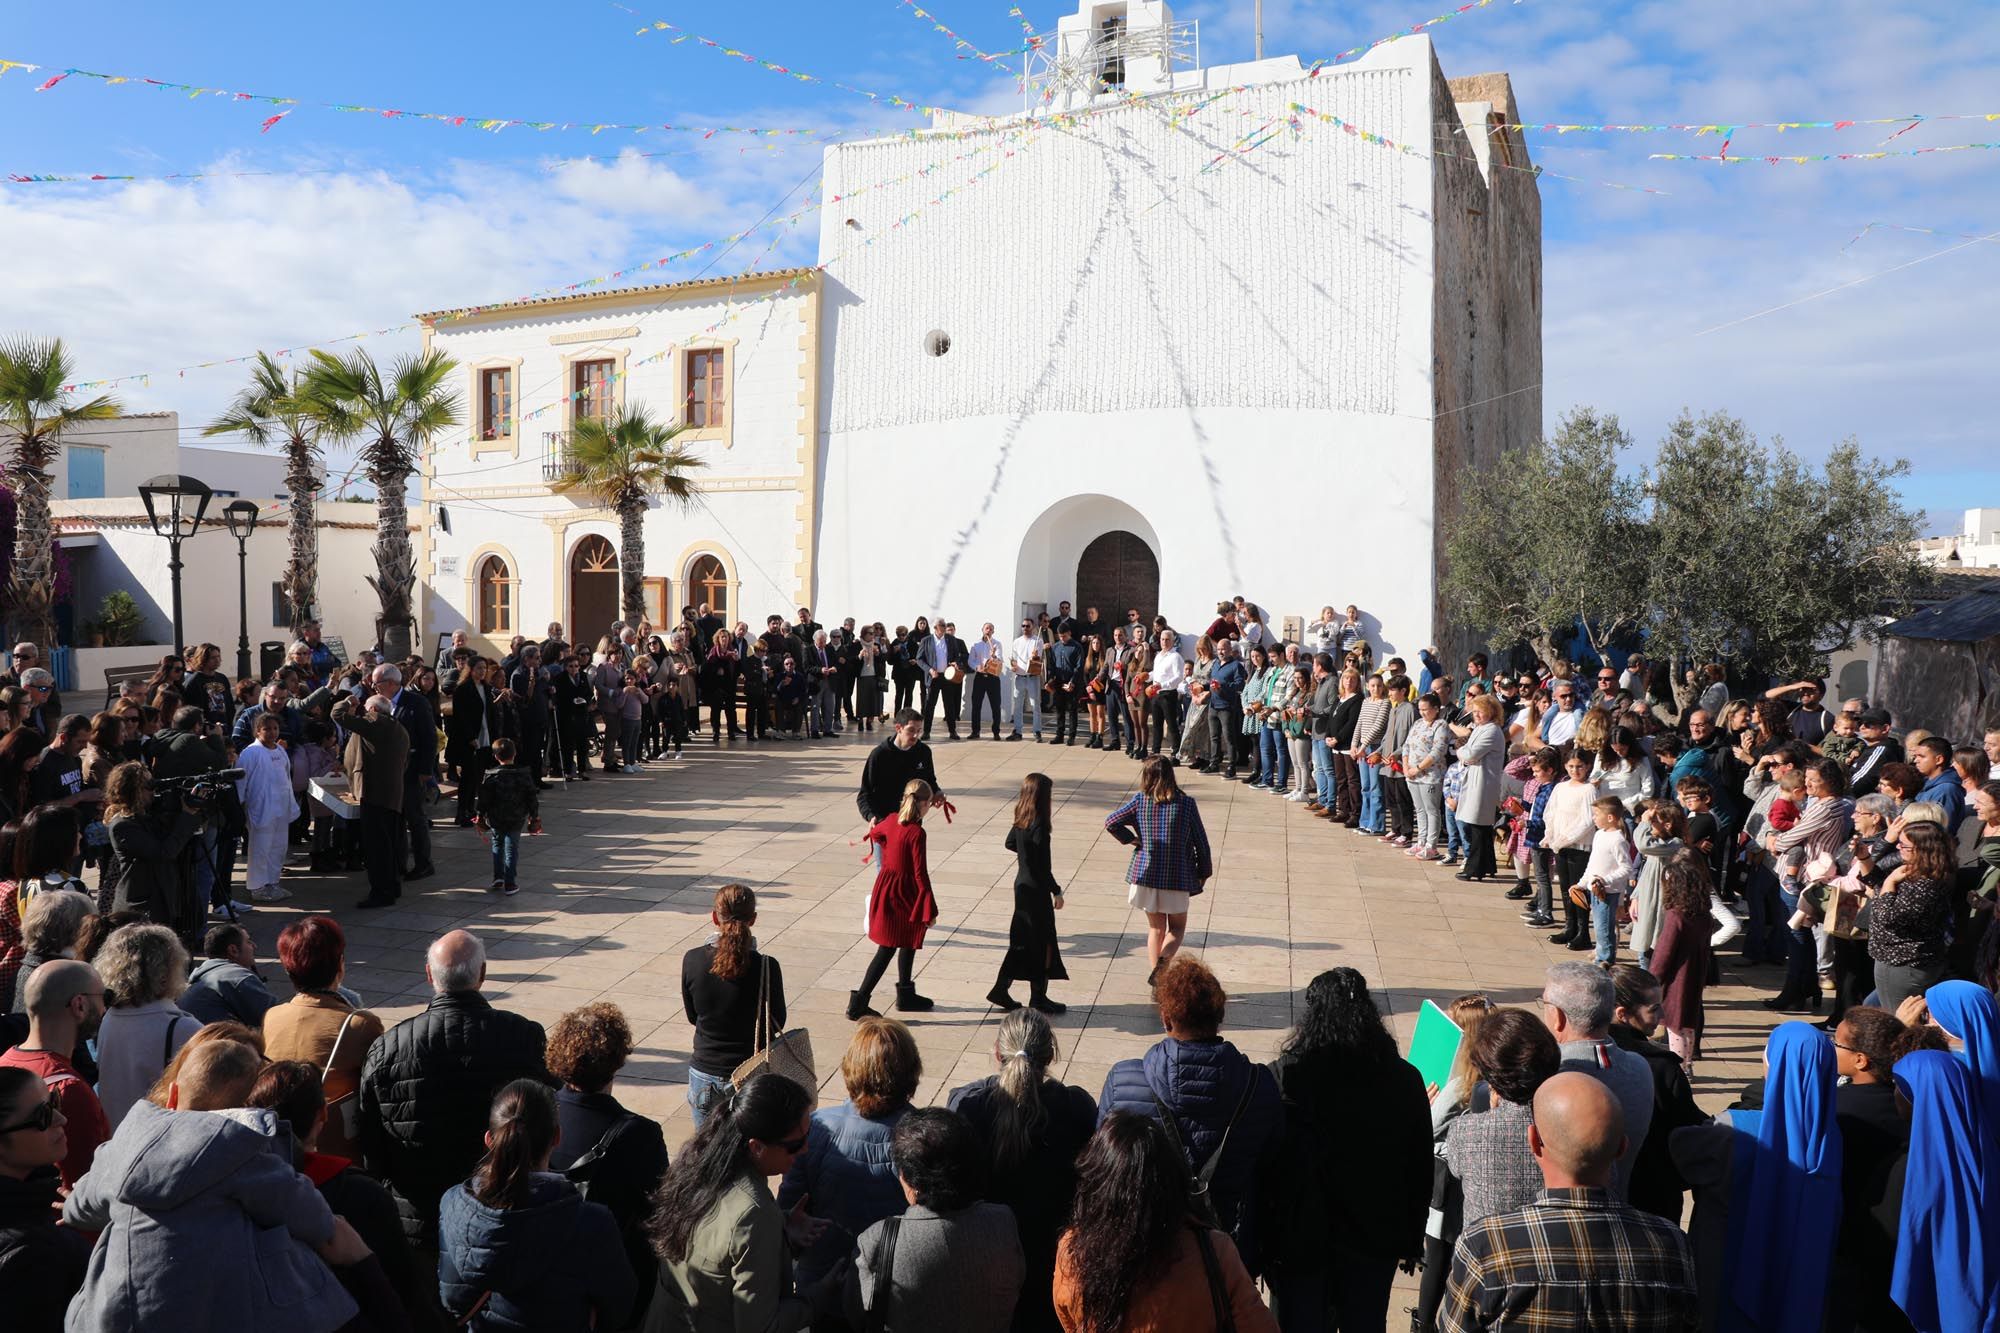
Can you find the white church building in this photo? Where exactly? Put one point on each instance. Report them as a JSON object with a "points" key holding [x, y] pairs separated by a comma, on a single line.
{"points": [[1172, 333]]}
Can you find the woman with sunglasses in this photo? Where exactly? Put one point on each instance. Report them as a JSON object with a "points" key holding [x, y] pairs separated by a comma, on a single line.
{"points": [[724, 1244], [41, 1264]]}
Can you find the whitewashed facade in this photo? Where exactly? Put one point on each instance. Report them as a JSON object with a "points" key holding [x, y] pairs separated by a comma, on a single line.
{"points": [[1270, 369], [501, 553], [1147, 346]]}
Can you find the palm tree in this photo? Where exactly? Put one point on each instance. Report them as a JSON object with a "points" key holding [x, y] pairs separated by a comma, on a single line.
{"points": [[623, 462], [36, 410], [275, 409], [398, 414]]}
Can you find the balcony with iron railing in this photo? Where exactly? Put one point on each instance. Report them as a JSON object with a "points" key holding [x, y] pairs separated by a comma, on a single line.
{"points": [[557, 461]]}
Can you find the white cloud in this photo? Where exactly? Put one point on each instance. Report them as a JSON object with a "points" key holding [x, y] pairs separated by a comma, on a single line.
{"points": [[630, 183]]}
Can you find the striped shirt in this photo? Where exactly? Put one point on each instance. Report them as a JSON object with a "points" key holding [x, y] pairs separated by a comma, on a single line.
{"points": [[1573, 1259]]}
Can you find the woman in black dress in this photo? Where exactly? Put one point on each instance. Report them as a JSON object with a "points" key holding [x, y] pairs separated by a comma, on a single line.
{"points": [[1031, 938]]}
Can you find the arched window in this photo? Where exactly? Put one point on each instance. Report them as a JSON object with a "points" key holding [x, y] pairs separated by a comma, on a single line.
{"points": [[708, 582], [496, 597]]}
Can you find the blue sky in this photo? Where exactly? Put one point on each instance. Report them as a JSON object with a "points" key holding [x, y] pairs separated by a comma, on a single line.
{"points": [[368, 220]]}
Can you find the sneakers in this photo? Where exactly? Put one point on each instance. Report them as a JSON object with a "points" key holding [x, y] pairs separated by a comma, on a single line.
{"points": [[630, 768], [269, 893], [496, 886], [509, 890], [1537, 920]]}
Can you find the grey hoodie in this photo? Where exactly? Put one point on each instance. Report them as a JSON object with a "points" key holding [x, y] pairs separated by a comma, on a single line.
{"points": [[206, 1226], [220, 991]]}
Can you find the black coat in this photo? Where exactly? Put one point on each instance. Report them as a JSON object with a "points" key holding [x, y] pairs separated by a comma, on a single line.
{"points": [[1040, 1188], [426, 1089], [576, 698], [471, 704], [1031, 936], [1656, 1182], [717, 679], [614, 1157], [41, 1264], [1359, 1161], [420, 723]]}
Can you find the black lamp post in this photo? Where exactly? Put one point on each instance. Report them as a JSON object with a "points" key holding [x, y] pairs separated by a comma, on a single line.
{"points": [[241, 516], [174, 506]]}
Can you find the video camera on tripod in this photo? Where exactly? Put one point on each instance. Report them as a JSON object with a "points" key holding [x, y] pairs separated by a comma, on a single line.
{"points": [[199, 789]]}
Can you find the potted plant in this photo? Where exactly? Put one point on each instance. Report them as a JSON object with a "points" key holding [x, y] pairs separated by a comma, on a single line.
{"points": [[118, 619]]}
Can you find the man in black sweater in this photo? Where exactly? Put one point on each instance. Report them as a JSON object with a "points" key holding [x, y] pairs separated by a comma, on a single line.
{"points": [[891, 765]]}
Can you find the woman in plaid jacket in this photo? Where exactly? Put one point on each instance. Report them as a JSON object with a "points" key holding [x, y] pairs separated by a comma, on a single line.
{"points": [[1170, 856]]}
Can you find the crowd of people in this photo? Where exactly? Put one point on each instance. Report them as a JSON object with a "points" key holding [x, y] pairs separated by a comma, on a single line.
{"points": [[178, 1142]]}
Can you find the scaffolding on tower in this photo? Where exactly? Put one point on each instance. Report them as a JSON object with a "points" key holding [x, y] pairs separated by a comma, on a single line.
{"points": [[1072, 65]]}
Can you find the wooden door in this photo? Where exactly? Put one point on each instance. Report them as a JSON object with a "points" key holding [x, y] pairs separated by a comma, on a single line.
{"points": [[593, 589], [1118, 572]]}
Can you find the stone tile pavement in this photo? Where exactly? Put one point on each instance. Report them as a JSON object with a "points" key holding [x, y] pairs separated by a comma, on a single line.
{"points": [[621, 886]]}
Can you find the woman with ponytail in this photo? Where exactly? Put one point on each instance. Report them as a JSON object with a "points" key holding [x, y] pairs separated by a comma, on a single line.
{"points": [[722, 983], [519, 1248], [1032, 1127], [725, 1246]]}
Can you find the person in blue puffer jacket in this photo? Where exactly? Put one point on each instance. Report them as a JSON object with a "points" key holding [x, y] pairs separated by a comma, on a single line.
{"points": [[519, 1248], [1217, 1098], [847, 1173]]}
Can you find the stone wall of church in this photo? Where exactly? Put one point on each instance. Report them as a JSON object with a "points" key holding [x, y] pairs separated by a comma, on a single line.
{"points": [[1487, 302]]}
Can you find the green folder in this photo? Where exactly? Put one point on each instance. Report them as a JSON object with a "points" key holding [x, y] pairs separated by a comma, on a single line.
{"points": [[1435, 1046]]}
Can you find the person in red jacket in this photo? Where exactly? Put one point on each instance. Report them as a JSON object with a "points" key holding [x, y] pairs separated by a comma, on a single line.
{"points": [[900, 905]]}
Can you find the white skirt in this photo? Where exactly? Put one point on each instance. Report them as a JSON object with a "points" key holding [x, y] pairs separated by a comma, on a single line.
{"points": [[267, 853], [1169, 902]]}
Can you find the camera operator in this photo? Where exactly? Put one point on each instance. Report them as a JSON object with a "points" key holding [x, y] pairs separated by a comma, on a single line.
{"points": [[186, 749], [145, 871]]}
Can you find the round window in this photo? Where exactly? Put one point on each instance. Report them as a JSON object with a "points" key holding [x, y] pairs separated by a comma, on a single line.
{"points": [[937, 342]]}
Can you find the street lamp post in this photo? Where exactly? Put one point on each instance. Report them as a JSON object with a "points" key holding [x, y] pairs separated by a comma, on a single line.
{"points": [[241, 516], [174, 506]]}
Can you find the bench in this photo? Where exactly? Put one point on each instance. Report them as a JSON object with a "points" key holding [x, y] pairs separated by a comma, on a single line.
{"points": [[116, 677]]}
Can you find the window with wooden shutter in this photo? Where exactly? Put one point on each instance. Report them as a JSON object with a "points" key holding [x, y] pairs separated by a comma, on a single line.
{"points": [[496, 403], [707, 397], [591, 391]]}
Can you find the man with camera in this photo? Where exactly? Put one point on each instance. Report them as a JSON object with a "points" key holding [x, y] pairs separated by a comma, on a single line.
{"points": [[176, 757]]}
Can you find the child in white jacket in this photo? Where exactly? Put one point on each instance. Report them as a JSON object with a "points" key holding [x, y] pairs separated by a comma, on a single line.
{"points": [[268, 809], [1608, 876]]}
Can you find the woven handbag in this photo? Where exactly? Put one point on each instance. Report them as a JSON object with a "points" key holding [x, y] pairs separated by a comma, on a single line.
{"points": [[787, 1053]]}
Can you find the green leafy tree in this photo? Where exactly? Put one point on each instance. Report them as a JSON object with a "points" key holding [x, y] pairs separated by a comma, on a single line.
{"points": [[622, 463], [1552, 541], [276, 410], [1764, 559], [37, 408], [396, 414]]}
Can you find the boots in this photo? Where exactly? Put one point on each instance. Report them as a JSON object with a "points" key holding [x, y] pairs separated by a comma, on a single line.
{"points": [[857, 1006], [1000, 999], [908, 1001]]}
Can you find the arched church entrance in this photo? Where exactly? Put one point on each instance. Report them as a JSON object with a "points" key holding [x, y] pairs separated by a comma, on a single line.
{"points": [[1089, 550], [1116, 573]]}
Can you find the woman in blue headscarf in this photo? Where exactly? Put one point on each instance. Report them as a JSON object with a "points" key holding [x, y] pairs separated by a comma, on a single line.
{"points": [[1767, 1194], [1947, 1277], [1968, 1015]]}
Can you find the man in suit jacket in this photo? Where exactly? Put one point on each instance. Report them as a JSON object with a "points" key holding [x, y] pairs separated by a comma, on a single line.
{"points": [[377, 760], [575, 704], [419, 772], [469, 734], [822, 665], [940, 649]]}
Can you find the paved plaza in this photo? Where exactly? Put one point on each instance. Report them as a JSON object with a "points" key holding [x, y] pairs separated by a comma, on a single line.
{"points": [[620, 887]]}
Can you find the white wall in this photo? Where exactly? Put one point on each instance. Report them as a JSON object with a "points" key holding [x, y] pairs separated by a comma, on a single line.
{"points": [[136, 449], [128, 556], [233, 473], [1242, 356]]}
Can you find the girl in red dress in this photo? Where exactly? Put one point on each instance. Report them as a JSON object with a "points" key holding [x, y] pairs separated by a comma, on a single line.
{"points": [[900, 906]]}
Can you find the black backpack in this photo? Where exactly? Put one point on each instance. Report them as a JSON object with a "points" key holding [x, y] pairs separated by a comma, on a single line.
{"points": [[1199, 1200]]}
